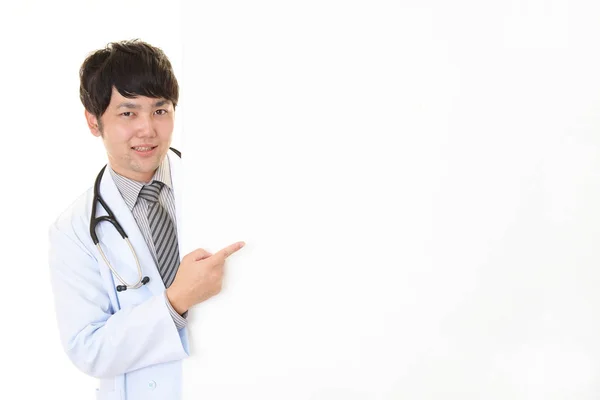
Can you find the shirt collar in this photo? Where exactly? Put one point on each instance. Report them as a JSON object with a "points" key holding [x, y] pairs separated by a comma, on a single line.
{"points": [[130, 189]]}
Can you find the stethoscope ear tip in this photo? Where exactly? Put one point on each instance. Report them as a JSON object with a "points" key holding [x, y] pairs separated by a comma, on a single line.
{"points": [[145, 280]]}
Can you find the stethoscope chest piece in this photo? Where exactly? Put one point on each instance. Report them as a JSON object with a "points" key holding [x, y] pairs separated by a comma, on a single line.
{"points": [[142, 280]]}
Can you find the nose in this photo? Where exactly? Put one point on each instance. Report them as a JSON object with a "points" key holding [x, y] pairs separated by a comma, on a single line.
{"points": [[145, 126]]}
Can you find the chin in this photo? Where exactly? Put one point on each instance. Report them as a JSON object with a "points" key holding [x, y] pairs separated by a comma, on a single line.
{"points": [[146, 166]]}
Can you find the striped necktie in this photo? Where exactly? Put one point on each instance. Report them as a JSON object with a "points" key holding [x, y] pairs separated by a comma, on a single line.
{"points": [[163, 233]]}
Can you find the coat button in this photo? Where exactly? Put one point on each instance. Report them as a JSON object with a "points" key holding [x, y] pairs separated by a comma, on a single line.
{"points": [[151, 385]]}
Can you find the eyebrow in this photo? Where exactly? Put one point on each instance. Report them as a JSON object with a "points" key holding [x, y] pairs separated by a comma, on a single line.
{"points": [[137, 106], [161, 103]]}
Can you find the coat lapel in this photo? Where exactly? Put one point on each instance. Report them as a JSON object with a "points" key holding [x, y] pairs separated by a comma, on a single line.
{"points": [[177, 181], [116, 249]]}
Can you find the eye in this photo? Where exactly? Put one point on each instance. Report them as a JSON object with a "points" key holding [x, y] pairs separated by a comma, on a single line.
{"points": [[127, 114], [161, 112]]}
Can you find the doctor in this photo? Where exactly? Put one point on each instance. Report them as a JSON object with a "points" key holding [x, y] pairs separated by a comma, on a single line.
{"points": [[122, 309]]}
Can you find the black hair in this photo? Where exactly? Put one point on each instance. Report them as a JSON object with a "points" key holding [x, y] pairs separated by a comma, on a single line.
{"points": [[133, 67]]}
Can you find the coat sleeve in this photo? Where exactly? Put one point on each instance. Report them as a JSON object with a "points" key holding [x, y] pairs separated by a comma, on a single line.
{"points": [[100, 342]]}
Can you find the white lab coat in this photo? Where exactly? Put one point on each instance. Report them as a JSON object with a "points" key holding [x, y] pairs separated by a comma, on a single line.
{"points": [[127, 339]]}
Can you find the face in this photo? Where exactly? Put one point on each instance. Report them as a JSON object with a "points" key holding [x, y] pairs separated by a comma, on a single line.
{"points": [[136, 132]]}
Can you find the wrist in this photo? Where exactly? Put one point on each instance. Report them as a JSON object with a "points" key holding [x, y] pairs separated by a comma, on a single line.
{"points": [[176, 301]]}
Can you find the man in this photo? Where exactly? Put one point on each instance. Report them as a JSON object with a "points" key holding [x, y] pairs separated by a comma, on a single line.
{"points": [[122, 317]]}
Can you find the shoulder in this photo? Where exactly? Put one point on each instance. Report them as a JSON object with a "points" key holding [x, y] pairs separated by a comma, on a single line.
{"points": [[71, 251], [74, 220], [173, 159]]}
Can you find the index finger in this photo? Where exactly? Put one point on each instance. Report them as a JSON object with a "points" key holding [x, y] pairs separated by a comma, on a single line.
{"points": [[229, 250]]}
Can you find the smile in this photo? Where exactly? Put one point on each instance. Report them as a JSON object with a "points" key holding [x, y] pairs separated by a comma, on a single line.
{"points": [[146, 148]]}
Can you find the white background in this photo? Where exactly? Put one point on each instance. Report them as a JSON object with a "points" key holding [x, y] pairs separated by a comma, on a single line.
{"points": [[417, 184]]}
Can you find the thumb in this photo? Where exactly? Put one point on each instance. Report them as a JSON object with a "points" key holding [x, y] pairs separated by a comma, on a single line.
{"points": [[199, 254]]}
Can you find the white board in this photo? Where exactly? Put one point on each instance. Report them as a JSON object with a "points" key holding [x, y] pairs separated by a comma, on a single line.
{"points": [[417, 184]]}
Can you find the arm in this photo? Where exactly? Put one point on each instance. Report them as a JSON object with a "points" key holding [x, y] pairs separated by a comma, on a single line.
{"points": [[178, 318], [99, 341]]}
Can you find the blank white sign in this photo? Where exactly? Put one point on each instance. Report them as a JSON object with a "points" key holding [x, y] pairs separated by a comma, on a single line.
{"points": [[417, 184]]}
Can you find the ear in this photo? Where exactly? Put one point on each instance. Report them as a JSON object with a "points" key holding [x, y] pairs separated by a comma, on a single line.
{"points": [[92, 122]]}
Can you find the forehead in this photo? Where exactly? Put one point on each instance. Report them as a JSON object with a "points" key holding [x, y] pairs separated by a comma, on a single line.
{"points": [[119, 101]]}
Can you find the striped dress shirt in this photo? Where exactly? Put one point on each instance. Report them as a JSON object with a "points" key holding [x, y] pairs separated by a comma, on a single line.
{"points": [[130, 190]]}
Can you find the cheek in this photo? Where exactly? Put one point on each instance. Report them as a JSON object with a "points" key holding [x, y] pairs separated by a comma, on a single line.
{"points": [[123, 133], [118, 135], [165, 128]]}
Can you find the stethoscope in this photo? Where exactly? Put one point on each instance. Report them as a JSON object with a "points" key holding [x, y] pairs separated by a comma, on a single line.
{"points": [[142, 280]]}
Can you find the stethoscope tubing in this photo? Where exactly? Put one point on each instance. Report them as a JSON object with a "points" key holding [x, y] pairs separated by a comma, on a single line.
{"points": [[142, 280]]}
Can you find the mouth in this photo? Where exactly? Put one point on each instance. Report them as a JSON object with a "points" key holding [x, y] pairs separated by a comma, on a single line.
{"points": [[144, 150]]}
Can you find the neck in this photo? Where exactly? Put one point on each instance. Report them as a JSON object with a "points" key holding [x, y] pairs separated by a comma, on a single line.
{"points": [[142, 177]]}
